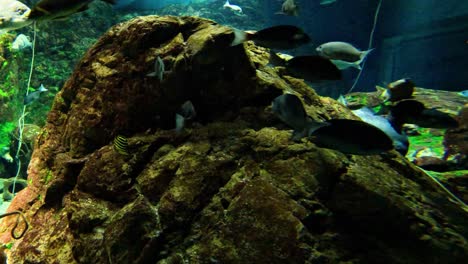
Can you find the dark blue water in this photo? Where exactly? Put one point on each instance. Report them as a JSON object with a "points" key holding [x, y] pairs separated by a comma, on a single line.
{"points": [[425, 40]]}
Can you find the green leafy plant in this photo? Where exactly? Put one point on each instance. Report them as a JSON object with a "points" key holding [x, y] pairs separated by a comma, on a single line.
{"points": [[5, 130]]}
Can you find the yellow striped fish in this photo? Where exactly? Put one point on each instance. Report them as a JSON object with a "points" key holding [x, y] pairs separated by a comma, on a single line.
{"points": [[121, 145]]}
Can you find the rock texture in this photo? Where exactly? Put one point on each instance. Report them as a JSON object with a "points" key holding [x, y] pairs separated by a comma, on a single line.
{"points": [[233, 188]]}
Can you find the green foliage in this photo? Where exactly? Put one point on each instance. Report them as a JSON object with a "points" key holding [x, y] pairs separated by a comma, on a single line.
{"points": [[48, 177], [428, 139], [5, 130], [8, 245]]}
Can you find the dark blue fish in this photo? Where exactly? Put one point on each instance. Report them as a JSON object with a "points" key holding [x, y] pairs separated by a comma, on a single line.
{"points": [[278, 37], [352, 137], [185, 112], [347, 136], [289, 109]]}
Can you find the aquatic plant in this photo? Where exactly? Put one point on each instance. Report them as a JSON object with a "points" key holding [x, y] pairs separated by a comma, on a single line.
{"points": [[5, 130], [23, 114]]}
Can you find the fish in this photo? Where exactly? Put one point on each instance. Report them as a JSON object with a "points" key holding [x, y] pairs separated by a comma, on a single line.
{"points": [[399, 90], [399, 140], [158, 69], [21, 42], [347, 136], [352, 137], [234, 8], [289, 109], [289, 8], [463, 93], [6, 155], [186, 112], [59, 9], [121, 145], [31, 97], [327, 2], [342, 54], [313, 68], [277, 37], [414, 112], [13, 15], [404, 112]]}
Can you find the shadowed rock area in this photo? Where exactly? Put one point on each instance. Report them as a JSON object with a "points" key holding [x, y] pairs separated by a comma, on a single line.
{"points": [[232, 187]]}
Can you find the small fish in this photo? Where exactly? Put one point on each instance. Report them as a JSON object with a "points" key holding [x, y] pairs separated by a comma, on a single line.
{"points": [[289, 109], [158, 69], [400, 141], [327, 2], [399, 90], [342, 54], [21, 42], [31, 97], [59, 9], [277, 37], [234, 8], [463, 93], [121, 145], [289, 8], [13, 15], [185, 112], [352, 137]]}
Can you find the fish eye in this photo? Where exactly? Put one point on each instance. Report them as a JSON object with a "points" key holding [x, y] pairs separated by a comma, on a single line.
{"points": [[20, 10]]}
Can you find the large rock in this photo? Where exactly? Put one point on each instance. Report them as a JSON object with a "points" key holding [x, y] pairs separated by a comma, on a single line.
{"points": [[231, 189]]}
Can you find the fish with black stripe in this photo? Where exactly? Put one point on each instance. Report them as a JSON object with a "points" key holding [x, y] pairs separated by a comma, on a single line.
{"points": [[121, 145]]}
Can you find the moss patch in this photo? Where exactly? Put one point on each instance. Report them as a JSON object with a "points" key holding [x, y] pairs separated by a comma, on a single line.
{"points": [[5, 129]]}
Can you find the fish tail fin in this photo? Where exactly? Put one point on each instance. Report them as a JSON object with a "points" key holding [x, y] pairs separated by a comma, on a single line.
{"points": [[239, 37], [226, 4], [364, 54], [312, 126], [180, 123]]}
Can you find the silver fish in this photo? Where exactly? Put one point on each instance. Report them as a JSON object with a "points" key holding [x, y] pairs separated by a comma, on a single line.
{"points": [[342, 54], [289, 8], [159, 69], [234, 8], [21, 42]]}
